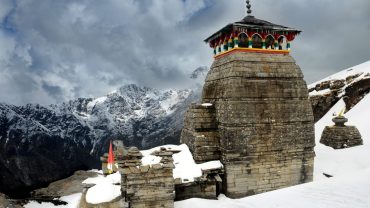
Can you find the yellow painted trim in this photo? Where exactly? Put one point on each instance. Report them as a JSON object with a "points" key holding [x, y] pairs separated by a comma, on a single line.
{"points": [[251, 50]]}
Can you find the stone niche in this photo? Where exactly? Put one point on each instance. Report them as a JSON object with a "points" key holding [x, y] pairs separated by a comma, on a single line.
{"points": [[263, 121], [208, 186], [341, 136]]}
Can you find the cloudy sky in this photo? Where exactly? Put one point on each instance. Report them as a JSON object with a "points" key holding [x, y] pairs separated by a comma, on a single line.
{"points": [[53, 51]]}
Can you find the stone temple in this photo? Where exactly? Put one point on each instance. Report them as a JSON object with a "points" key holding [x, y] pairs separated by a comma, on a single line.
{"points": [[252, 132], [254, 116]]}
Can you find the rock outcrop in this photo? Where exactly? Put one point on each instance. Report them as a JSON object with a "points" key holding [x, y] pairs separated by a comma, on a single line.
{"points": [[322, 103], [5, 202], [324, 95], [356, 91], [64, 187]]}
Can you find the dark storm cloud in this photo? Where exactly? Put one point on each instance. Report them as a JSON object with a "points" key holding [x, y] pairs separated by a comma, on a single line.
{"points": [[54, 91], [58, 50]]}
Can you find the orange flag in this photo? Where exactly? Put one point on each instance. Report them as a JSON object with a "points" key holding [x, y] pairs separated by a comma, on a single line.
{"points": [[110, 158]]}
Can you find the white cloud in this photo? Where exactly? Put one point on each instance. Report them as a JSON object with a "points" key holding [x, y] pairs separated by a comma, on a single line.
{"points": [[60, 50]]}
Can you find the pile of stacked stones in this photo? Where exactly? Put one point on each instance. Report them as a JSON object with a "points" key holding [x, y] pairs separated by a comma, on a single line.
{"points": [[341, 136], [145, 185]]}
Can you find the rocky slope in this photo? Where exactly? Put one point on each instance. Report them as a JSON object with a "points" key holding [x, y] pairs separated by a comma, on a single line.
{"points": [[352, 85], [40, 144]]}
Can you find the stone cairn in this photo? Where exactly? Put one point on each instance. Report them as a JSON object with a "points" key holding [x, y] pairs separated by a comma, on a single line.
{"points": [[145, 185], [341, 136]]}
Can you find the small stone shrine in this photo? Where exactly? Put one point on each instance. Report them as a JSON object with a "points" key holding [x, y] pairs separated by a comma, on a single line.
{"points": [[256, 117], [341, 136]]}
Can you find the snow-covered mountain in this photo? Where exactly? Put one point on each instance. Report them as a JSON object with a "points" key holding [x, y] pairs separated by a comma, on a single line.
{"points": [[39, 144], [139, 116]]}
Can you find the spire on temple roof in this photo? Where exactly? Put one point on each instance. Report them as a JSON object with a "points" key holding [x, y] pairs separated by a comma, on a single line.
{"points": [[249, 11]]}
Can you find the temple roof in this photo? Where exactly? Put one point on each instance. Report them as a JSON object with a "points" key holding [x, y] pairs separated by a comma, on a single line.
{"points": [[250, 22]]}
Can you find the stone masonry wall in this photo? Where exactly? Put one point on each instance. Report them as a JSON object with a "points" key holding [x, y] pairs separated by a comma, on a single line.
{"points": [[265, 122], [205, 190], [147, 186], [200, 133]]}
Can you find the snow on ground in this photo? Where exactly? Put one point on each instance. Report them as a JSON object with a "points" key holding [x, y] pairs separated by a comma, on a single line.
{"points": [[345, 161], [350, 186], [338, 192], [185, 166], [106, 188], [72, 200]]}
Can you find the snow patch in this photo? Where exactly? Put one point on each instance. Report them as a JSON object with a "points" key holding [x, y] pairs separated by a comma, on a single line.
{"points": [[185, 166], [321, 92], [93, 103], [106, 189], [72, 200], [207, 104]]}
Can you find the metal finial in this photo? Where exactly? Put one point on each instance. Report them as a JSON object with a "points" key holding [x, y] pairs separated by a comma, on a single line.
{"points": [[249, 11]]}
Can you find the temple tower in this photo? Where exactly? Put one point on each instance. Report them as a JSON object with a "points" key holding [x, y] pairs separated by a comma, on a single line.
{"points": [[256, 117]]}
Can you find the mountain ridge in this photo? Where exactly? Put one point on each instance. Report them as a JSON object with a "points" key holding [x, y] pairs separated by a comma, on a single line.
{"points": [[72, 135]]}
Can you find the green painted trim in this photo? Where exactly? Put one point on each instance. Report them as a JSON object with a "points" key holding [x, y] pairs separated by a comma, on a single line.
{"points": [[288, 45], [231, 45]]}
